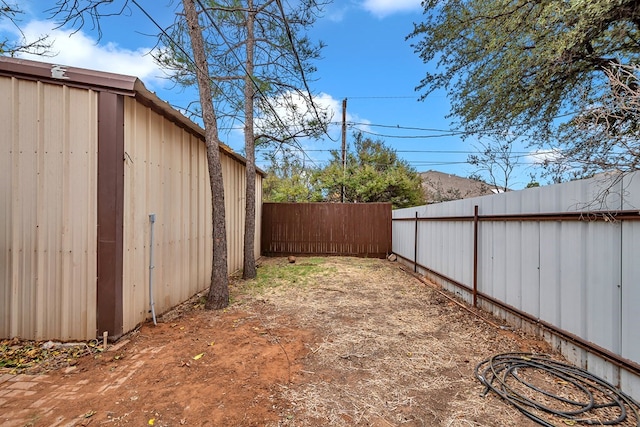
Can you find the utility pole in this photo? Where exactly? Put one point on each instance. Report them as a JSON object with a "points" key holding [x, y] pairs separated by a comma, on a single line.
{"points": [[344, 146]]}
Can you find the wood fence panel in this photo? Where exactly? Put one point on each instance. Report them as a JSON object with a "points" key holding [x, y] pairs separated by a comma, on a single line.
{"points": [[352, 229]]}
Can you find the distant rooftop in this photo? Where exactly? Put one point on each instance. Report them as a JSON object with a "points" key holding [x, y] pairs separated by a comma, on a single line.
{"points": [[441, 187]]}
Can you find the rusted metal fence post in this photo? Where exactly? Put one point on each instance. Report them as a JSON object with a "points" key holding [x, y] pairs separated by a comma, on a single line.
{"points": [[475, 256]]}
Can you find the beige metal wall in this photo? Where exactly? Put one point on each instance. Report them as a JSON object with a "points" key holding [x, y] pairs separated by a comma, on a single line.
{"points": [[234, 198], [166, 174], [48, 172]]}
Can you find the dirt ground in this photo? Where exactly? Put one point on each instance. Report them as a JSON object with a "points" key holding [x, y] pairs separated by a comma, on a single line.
{"points": [[319, 342]]}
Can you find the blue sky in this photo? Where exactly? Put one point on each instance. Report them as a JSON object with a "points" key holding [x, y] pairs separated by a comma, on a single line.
{"points": [[366, 60]]}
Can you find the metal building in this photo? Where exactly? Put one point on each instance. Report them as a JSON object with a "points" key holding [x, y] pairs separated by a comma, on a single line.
{"points": [[87, 159]]}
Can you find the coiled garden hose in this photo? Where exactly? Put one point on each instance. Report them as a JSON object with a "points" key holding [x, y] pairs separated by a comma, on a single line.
{"points": [[548, 391]]}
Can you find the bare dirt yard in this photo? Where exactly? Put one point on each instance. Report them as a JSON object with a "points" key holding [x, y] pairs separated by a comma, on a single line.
{"points": [[318, 342]]}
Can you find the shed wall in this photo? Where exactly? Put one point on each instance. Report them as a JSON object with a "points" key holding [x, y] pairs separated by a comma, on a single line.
{"points": [[48, 173], [166, 174], [81, 169]]}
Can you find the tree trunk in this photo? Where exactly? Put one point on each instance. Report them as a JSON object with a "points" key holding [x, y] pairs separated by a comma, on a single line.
{"points": [[219, 289], [249, 264]]}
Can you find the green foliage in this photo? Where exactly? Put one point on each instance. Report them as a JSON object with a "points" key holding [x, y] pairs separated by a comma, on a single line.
{"points": [[290, 180], [522, 64], [373, 173]]}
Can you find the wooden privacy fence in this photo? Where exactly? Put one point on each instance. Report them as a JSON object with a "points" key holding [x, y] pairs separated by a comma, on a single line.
{"points": [[353, 229]]}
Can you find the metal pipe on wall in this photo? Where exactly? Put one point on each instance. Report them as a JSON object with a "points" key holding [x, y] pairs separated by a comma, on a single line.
{"points": [[152, 220]]}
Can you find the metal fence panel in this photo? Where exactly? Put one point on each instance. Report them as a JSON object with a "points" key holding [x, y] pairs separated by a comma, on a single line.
{"points": [[630, 291], [602, 292], [549, 274], [580, 275]]}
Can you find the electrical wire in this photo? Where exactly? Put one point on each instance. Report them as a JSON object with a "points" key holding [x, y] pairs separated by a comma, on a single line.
{"points": [[292, 43], [244, 69], [577, 397]]}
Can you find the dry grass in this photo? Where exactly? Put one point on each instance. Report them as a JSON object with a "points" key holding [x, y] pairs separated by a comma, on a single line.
{"points": [[389, 351]]}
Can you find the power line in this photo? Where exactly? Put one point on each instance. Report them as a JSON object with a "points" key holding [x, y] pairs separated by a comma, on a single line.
{"points": [[405, 127], [173, 42], [241, 64], [381, 97], [442, 132], [297, 58], [381, 135], [523, 153]]}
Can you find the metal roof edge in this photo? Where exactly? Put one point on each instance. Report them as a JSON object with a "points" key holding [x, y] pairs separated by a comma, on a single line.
{"points": [[105, 81], [153, 101], [63, 74]]}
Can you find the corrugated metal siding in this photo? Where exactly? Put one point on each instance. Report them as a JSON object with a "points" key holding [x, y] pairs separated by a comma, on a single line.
{"points": [[234, 178], [630, 284], [581, 276], [48, 218], [257, 248], [166, 175]]}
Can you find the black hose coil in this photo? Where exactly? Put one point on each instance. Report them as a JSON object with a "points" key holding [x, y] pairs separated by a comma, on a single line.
{"points": [[578, 397]]}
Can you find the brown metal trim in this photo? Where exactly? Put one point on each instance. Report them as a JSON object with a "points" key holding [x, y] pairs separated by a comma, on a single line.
{"points": [[588, 216], [65, 75], [613, 358], [435, 273], [437, 218], [110, 214], [476, 218], [103, 81]]}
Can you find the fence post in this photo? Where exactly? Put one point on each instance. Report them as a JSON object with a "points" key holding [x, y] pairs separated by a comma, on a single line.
{"points": [[475, 256], [415, 247]]}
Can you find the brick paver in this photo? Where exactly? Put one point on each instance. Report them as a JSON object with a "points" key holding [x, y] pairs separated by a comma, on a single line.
{"points": [[27, 400]]}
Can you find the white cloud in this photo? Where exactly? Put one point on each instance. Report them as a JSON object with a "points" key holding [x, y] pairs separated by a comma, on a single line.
{"points": [[540, 157], [382, 8], [329, 105], [333, 108], [77, 49], [337, 14], [291, 107]]}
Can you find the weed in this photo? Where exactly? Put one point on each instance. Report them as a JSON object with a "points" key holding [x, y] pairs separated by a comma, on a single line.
{"points": [[301, 273]]}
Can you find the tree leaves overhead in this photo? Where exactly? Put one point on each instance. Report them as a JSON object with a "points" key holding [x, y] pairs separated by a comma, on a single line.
{"points": [[522, 63]]}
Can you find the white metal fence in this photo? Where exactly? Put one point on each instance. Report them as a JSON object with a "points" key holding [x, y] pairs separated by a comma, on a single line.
{"points": [[546, 255]]}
